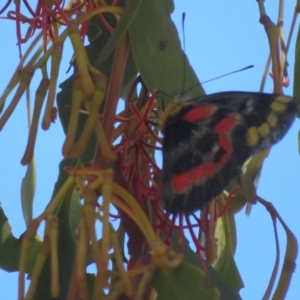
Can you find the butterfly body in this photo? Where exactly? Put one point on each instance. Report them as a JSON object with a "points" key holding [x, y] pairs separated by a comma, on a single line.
{"points": [[207, 140]]}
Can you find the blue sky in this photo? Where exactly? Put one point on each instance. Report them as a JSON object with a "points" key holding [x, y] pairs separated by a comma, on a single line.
{"points": [[221, 36]]}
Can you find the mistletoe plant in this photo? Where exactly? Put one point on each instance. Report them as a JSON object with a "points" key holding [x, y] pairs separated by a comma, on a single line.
{"points": [[106, 207]]}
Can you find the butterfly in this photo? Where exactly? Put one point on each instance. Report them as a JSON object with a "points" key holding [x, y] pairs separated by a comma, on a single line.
{"points": [[207, 140]]}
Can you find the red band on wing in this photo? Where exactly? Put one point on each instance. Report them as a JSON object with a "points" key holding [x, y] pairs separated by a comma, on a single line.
{"points": [[227, 124], [223, 161], [182, 181], [199, 113], [198, 174], [225, 144]]}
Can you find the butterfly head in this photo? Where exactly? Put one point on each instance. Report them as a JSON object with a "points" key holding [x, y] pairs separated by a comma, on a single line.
{"points": [[171, 111]]}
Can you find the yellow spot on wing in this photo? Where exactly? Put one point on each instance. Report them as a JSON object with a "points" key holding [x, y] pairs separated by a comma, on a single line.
{"points": [[283, 99], [272, 119], [252, 136], [278, 107], [264, 130]]}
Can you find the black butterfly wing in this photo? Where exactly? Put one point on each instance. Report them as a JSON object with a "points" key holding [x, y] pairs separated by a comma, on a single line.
{"points": [[268, 116], [207, 141]]}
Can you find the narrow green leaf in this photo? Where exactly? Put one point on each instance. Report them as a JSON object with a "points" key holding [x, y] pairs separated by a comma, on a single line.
{"points": [[253, 169], [28, 191], [121, 28], [229, 272], [91, 280], [255, 164], [226, 245], [247, 188]]}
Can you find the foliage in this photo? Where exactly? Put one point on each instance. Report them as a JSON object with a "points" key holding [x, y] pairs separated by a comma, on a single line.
{"points": [[110, 174]]}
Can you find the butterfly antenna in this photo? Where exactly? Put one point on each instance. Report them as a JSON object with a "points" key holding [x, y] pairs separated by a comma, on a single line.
{"points": [[236, 71]]}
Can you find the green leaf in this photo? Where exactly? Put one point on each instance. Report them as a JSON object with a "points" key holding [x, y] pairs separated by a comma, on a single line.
{"points": [[247, 188], [9, 251], [120, 30], [91, 280], [27, 191], [255, 164], [10, 247], [157, 52], [229, 272], [185, 283], [226, 244], [247, 191], [226, 292], [102, 56]]}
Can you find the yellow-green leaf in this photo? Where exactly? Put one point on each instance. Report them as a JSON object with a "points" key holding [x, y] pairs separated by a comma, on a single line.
{"points": [[28, 191]]}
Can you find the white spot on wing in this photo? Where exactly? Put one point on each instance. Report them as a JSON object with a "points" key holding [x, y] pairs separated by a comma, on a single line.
{"points": [[249, 105]]}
